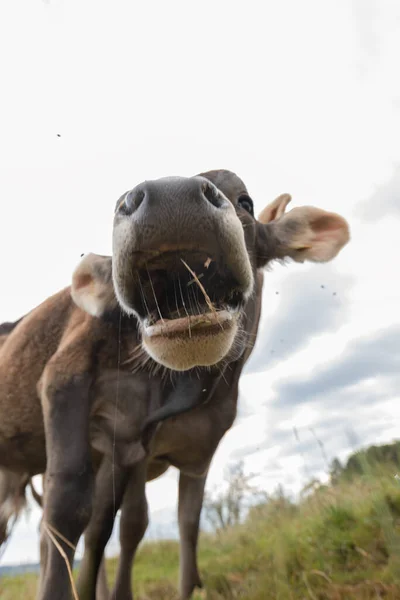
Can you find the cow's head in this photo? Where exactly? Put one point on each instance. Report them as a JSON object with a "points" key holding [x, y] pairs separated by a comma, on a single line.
{"points": [[185, 256]]}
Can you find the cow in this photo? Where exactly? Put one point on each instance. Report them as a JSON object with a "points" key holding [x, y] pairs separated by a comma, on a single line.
{"points": [[136, 366], [12, 485]]}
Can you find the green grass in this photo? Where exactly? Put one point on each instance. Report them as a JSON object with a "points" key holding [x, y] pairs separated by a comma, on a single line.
{"points": [[340, 543]]}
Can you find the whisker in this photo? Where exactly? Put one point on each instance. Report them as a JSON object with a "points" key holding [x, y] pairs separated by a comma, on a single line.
{"points": [[191, 305], [167, 301], [176, 299], [201, 286], [184, 306], [196, 299], [203, 290], [144, 297], [222, 374], [154, 294]]}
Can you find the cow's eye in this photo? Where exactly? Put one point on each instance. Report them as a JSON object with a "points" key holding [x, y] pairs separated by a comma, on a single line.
{"points": [[247, 203]]}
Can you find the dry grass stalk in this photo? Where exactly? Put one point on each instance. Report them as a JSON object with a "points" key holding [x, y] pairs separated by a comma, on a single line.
{"points": [[201, 286], [60, 535], [322, 574], [193, 280], [61, 551], [309, 590], [363, 552]]}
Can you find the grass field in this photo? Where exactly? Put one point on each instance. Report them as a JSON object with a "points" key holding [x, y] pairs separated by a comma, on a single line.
{"points": [[340, 542]]}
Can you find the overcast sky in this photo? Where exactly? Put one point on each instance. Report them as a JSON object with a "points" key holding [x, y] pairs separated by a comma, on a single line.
{"points": [[298, 97]]}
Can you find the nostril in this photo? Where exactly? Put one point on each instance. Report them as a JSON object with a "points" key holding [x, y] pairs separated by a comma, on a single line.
{"points": [[132, 201], [212, 195]]}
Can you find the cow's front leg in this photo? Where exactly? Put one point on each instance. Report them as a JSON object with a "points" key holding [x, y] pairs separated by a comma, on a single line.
{"points": [[43, 559], [109, 489], [191, 493], [69, 477], [132, 527], [102, 591]]}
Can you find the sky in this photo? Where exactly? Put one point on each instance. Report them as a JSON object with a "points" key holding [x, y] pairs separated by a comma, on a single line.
{"points": [[294, 97]]}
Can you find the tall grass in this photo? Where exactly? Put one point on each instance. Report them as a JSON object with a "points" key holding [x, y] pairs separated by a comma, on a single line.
{"points": [[340, 542]]}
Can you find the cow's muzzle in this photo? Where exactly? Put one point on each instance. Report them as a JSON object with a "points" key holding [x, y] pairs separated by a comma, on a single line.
{"points": [[180, 264]]}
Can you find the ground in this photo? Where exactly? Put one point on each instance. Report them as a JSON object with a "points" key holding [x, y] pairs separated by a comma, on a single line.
{"points": [[340, 542]]}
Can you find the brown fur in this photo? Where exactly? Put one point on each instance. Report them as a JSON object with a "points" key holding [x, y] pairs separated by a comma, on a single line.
{"points": [[12, 485], [109, 408], [12, 499]]}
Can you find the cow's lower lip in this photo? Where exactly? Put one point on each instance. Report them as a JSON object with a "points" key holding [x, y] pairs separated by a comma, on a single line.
{"points": [[192, 325]]}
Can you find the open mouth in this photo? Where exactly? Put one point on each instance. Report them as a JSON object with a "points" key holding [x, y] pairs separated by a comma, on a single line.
{"points": [[186, 293]]}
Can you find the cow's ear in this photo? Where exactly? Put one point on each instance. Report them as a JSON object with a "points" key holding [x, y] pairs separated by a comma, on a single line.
{"points": [[275, 210], [304, 233], [92, 288]]}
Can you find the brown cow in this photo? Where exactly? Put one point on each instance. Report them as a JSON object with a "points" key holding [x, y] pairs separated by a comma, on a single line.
{"points": [[186, 254], [12, 485]]}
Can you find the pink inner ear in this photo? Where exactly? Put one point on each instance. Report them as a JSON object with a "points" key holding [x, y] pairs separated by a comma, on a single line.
{"points": [[330, 227], [272, 215], [327, 223], [81, 281], [275, 209]]}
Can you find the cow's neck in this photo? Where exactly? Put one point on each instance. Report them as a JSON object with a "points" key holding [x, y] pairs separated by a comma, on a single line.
{"points": [[173, 392]]}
